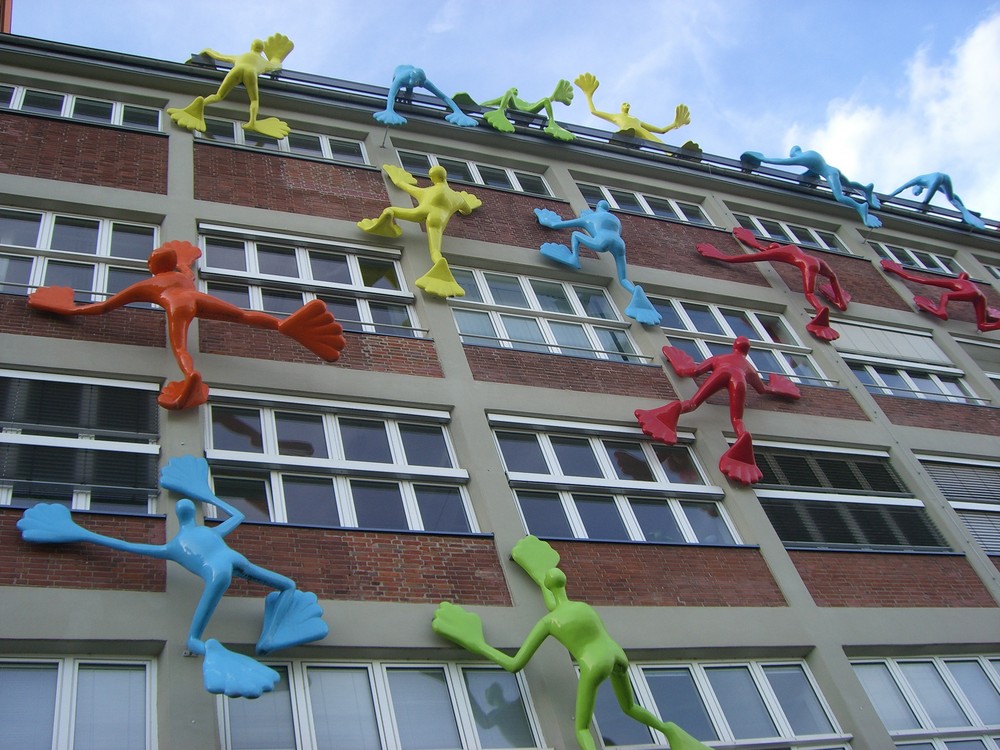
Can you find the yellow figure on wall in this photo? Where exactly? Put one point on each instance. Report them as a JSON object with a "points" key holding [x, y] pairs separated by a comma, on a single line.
{"points": [[436, 204], [263, 57], [629, 124]]}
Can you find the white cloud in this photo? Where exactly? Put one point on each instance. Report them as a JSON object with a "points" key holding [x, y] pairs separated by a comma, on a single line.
{"points": [[944, 121]]}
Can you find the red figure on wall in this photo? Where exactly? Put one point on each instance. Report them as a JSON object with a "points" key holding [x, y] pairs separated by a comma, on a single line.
{"points": [[809, 265], [172, 287], [960, 289], [733, 371]]}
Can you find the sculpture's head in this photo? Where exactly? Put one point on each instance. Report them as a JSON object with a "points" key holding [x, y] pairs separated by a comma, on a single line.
{"points": [[626, 107], [964, 275], [603, 205], [185, 511], [741, 345], [162, 260], [257, 46], [795, 151], [438, 174], [555, 580]]}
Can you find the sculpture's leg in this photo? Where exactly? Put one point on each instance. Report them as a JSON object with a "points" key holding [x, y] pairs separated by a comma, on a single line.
{"points": [[677, 738], [191, 117], [190, 391], [440, 281], [738, 463], [641, 309], [939, 310], [819, 326], [586, 697], [661, 423]]}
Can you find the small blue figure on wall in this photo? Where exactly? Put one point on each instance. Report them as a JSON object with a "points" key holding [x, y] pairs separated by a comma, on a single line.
{"points": [[291, 617], [408, 77], [602, 233], [931, 183]]}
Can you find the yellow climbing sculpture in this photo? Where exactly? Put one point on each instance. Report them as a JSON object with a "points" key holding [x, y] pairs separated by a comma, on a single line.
{"points": [[436, 204], [629, 124], [263, 57]]}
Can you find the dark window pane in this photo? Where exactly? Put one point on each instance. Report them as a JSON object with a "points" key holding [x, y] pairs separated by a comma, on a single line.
{"points": [[378, 505], [6, 94], [661, 207], [300, 435], [668, 314], [656, 521], [498, 709], [676, 694], [229, 254], [310, 500], [330, 267], [141, 117], [42, 102], [234, 295], [677, 464], [393, 320], [544, 515], [532, 183], [247, 495], [595, 303], [506, 290], [441, 508], [220, 131], [495, 177], [365, 440], [600, 517], [467, 280], [552, 296], [301, 143], [130, 241], [17, 228], [74, 235], [424, 445], [77, 276], [741, 702], [379, 274], [591, 193], [15, 272], [627, 201], [798, 700], [702, 318], [280, 303], [707, 522], [457, 170], [576, 457], [417, 164], [277, 261], [629, 460], [236, 429], [92, 110], [521, 452], [350, 151]]}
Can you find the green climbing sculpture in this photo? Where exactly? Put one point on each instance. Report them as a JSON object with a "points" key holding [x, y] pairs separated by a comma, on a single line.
{"points": [[510, 100], [577, 627]]}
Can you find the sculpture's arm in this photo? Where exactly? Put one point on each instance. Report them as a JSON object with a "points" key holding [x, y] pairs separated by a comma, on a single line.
{"points": [[682, 117], [460, 626], [893, 267], [219, 56], [188, 475], [51, 523]]}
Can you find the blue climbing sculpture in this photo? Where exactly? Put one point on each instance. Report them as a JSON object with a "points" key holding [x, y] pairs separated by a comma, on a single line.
{"points": [[291, 617], [929, 184], [408, 77], [602, 233]]}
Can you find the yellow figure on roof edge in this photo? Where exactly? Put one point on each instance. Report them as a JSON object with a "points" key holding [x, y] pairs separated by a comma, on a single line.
{"points": [[263, 57], [629, 124]]}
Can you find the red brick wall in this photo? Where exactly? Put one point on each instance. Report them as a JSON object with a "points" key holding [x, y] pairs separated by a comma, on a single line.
{"points": [[567, 373], [816, 401], [364, 351], [670, 246], [863, 279], [650, 575], [879, 579], [956, 310], [127, 325], [77, 152], [83, 566], [283, 183], [982, 420], [375, 566]]}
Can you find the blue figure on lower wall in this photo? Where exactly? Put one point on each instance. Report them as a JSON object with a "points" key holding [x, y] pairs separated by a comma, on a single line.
{"points": [[602, 233], [408, 77], [291, 617], [931, 183]]}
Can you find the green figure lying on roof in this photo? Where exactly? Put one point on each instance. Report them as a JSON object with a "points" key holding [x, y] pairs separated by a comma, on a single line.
{"points": [[510, 100], [577, 627], [629, 124]]}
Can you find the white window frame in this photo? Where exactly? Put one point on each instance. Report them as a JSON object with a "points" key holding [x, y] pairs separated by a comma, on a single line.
{"points": [[704, 341], [257, 141], [101, 260], [928, 733], [918, 260], [83, 441], [256, 282], [793, 234], [698, 670], [335, 467], [680, 208], [939, 376], [67, 671], [620, 491], [965, 508], [433, 160], [69, 103], [590, 325], [385, 716]]}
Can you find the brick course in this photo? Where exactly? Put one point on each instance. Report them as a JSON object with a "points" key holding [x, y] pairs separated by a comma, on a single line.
{"points": [[652, 575], [816, 401], [567, 373], [374, 566], [943, 415], [84, 566], [82, 153], [877, 579], [127, 325]]}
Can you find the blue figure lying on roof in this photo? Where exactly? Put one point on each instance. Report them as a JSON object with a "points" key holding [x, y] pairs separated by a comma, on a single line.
{"points": [[408, 77], [932, 182], [816, 167], [602, 233], [291, 617]]}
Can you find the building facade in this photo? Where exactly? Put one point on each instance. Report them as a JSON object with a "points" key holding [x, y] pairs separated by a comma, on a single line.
{"points": [[848, 600]]}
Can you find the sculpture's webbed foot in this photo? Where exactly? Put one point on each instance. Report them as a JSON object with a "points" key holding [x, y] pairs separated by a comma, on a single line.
{"points": [[641, 309], [191, 117], [235, 675], [461, 119], [389, 117], [498, 120], [313, 326], [660, 423], [270, 126], [291, 618], [440, 282], [738, 462], [183, 394], [560, 254]]}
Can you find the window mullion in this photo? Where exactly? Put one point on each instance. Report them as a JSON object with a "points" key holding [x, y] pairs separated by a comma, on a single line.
{"points": [[302, 715], [712, 705], [572, 515], [408, 495], [276, 498], [345, 501], [683, 523], [384, 707], [771, 702], [628, 518]]}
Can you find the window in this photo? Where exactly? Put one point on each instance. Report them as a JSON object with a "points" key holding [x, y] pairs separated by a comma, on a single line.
{"points": [[902, 362], [340, 465], [584, 481], [919, 260], [704, 330], [89, 444], [540, 315], [821, 498], [793, 234], [96, 257], [460, 170], [973, 489], [384, 706], [727, 703], [278, 274], [939, 703], [626, 200], [296, 142], [84, 704], [81, 108]]}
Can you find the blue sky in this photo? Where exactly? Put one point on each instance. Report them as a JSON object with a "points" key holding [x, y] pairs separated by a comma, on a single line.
{"points": [[885, 89]]}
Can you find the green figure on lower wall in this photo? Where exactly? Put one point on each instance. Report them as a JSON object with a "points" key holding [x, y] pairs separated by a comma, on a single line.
{"points": [[577, 627]]}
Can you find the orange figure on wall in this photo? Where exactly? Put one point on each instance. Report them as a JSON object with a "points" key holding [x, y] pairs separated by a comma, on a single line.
{"points": [[172, 287]]}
